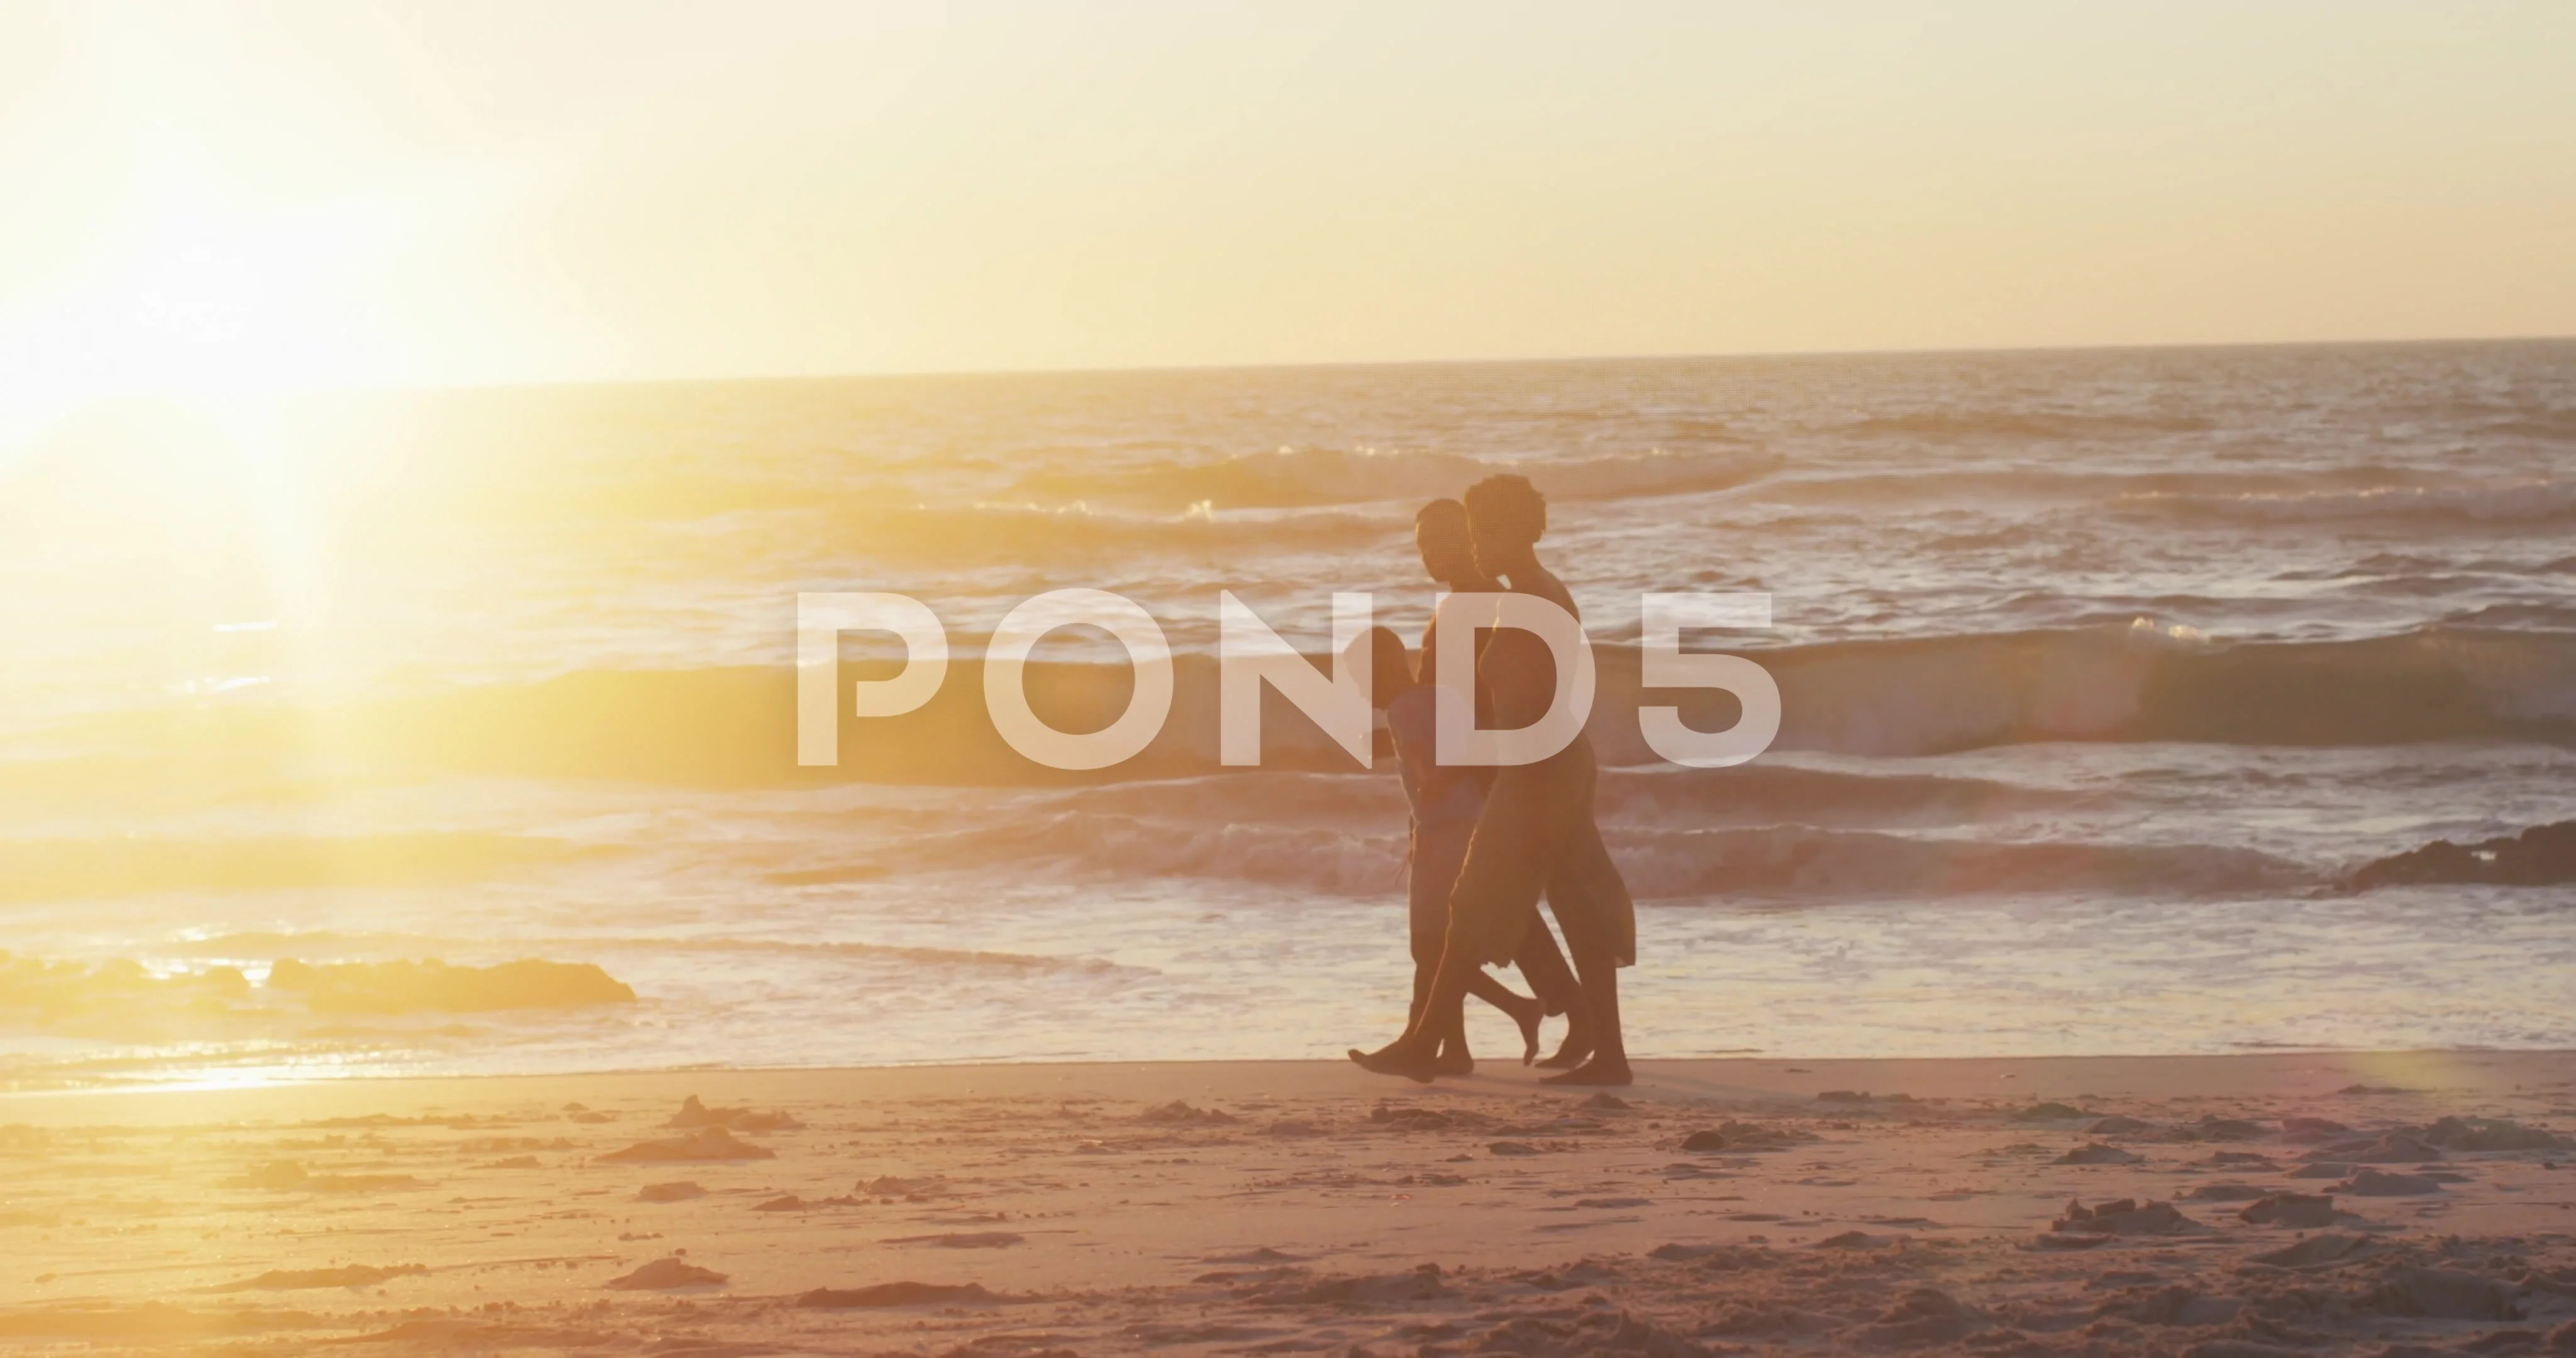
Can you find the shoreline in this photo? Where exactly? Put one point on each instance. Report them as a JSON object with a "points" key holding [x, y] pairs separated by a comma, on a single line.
{"points": [[2158, 1075]]}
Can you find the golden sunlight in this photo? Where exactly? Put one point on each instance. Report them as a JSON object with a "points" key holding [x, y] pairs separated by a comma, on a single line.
{"points": [[1011, 677]]}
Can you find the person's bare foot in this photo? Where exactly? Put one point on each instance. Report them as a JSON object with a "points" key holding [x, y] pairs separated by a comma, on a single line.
{"points": [[1396, 1059], [1601, 1070], [1453, 1060], [1574, 1052]]}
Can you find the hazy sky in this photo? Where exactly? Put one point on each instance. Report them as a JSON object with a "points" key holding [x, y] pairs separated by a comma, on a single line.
{"points": [[450, 191]]}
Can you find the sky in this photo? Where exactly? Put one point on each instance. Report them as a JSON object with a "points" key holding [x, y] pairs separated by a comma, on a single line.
{"points": [[244, 196]]}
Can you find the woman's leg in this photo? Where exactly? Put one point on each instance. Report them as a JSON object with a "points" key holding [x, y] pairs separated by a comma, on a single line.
{"points": [[1496, 893], [1543, 966], [1520, 1009]]}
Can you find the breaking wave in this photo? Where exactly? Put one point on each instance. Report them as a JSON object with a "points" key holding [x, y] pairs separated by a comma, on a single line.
{"points": [[735, 727]]}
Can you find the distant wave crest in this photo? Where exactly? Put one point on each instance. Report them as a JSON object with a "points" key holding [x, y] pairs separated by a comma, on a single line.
{"points": [[2536, 502], [1661, 863], [1300, 477]]}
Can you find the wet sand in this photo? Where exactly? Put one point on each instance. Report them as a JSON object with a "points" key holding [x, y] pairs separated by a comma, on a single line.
{"points": [[2240, 1206]]}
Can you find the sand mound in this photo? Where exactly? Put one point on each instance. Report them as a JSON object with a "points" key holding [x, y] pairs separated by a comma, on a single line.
{"points": [[1743, 1136], [666, 1274], [714, 1143], [963, 1240], [2441, 1294], [2050, 1112], [1923, 1318], [2372, 1183], [2318, 1251], [2098, 1154], [2300, 1211], [1422, 1284], [2124, 1216], [895, 1294], [352, 1275], [695, 1114], [2393, 1148], [892, 1186], [2491, 1134], [1179, 1113], [1407, 1118]]}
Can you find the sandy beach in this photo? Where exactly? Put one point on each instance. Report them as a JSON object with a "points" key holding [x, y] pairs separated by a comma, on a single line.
{"points": [[2213, 1205]]}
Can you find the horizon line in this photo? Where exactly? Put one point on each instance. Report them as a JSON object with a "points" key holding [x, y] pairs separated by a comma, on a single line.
{"points": [[1316, 365]]}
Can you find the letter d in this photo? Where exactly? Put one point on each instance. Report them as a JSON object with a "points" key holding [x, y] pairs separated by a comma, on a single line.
{"points": [[1455, 739]]}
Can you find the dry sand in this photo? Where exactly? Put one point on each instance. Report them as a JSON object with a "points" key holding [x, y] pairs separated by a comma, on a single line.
{"points": [[2228, 1206]]}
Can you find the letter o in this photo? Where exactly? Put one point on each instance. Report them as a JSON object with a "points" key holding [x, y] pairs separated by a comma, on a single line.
{"points": [[1006, 660]]}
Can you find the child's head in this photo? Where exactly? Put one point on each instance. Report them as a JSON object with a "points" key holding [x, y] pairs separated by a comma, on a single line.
{"points": [[1390, 667]]}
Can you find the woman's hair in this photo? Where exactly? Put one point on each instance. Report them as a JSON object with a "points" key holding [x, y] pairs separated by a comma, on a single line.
{"points": [[1508, 506]]}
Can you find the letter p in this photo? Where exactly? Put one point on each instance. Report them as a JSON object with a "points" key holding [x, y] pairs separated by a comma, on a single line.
{"points": [[820, 621]]}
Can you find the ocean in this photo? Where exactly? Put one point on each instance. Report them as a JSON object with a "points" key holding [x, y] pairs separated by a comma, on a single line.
{"points": [[2098, 668]]}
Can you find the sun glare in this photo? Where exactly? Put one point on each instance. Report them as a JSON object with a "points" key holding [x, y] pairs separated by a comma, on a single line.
{"points": [[198, 296]]}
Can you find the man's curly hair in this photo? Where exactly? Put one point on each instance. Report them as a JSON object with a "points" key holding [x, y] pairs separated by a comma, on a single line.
{"points": [[1510, 505]]}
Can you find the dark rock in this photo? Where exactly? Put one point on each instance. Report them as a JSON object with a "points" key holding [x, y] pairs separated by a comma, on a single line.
{"points": [[2544, 855]]}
